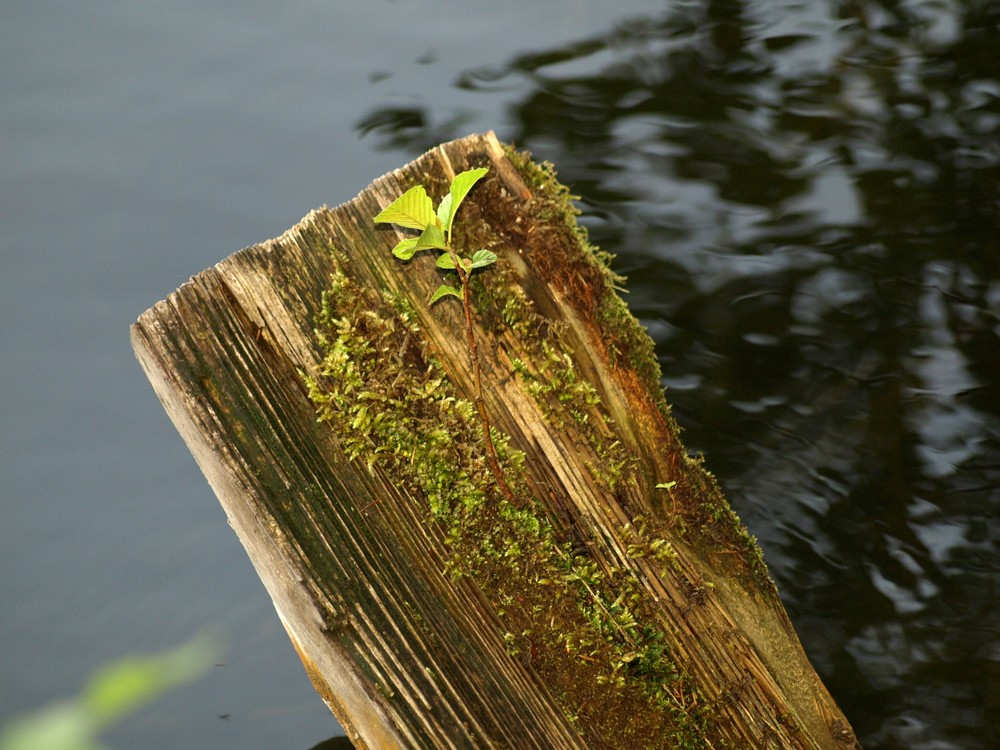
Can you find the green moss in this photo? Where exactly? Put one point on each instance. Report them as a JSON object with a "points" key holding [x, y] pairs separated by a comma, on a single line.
{"points": [[582, 629], [566, 400], [588, 276], [387, 400], [569, 262], [539, 348]]}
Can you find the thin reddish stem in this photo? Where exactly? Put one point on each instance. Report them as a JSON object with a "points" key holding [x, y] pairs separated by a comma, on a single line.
{"points": [[484, 417]]}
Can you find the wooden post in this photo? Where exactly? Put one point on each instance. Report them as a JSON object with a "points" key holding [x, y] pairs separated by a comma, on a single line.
{"points": [[623, 606]]}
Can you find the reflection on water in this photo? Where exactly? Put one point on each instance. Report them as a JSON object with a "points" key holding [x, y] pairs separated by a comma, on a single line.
{"points": [[806, 199]]}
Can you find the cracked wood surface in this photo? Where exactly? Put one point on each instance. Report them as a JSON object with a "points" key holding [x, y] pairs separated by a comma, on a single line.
{"points": [[404, 655]]}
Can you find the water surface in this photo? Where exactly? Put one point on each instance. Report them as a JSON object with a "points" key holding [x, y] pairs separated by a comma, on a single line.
{"points": [[805, 197]]}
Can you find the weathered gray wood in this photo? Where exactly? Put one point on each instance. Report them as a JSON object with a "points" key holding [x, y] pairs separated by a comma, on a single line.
{"points": [[404, 654]]}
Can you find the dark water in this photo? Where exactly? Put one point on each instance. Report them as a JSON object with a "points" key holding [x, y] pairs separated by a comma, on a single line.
{"points": [[805, 197]]}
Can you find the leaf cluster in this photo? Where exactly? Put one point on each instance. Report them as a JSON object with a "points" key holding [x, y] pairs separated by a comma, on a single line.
{"points": [[415, 210]]}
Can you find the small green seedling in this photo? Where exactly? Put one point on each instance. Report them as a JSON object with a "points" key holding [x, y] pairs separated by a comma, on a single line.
{"points": [[415, 210]]}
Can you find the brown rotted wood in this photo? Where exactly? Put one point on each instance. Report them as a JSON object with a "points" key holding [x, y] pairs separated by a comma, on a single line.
{"points": [[405, 655]]}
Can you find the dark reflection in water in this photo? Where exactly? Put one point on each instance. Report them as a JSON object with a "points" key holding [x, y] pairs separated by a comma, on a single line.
{"points": [[805, 197]]}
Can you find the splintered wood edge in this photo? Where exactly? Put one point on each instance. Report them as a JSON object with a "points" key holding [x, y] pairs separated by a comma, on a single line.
{"points": [[332, 674]]}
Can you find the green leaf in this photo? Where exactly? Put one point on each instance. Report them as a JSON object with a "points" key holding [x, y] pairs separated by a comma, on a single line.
{"points": [[460, 187], [413, 209], [445, 260], [443, 291], [483, 258], [62, 726], [432, 238], [123, 686], [405, 249], [444, 210]]}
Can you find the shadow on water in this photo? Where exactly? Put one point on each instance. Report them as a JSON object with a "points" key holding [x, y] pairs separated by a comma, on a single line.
{"points": [[334, 743], [806, 198]]}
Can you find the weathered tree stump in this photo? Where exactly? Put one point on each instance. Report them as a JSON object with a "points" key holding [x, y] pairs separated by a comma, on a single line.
{"points": [[601, 610]]}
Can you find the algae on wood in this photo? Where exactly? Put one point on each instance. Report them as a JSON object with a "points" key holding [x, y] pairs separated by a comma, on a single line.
{"points": [[607, 611]]}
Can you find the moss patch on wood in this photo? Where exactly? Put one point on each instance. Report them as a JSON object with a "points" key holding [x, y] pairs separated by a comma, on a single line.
{"points": [[569, 262], [590, 630], [586, 631]]}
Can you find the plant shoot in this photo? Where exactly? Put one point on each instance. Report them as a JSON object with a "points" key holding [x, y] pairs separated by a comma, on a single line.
{"points": [[415, 210]]}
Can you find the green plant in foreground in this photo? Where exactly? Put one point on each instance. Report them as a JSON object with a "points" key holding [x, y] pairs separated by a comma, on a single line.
{"points": [[115, 691], [415, 210]]}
